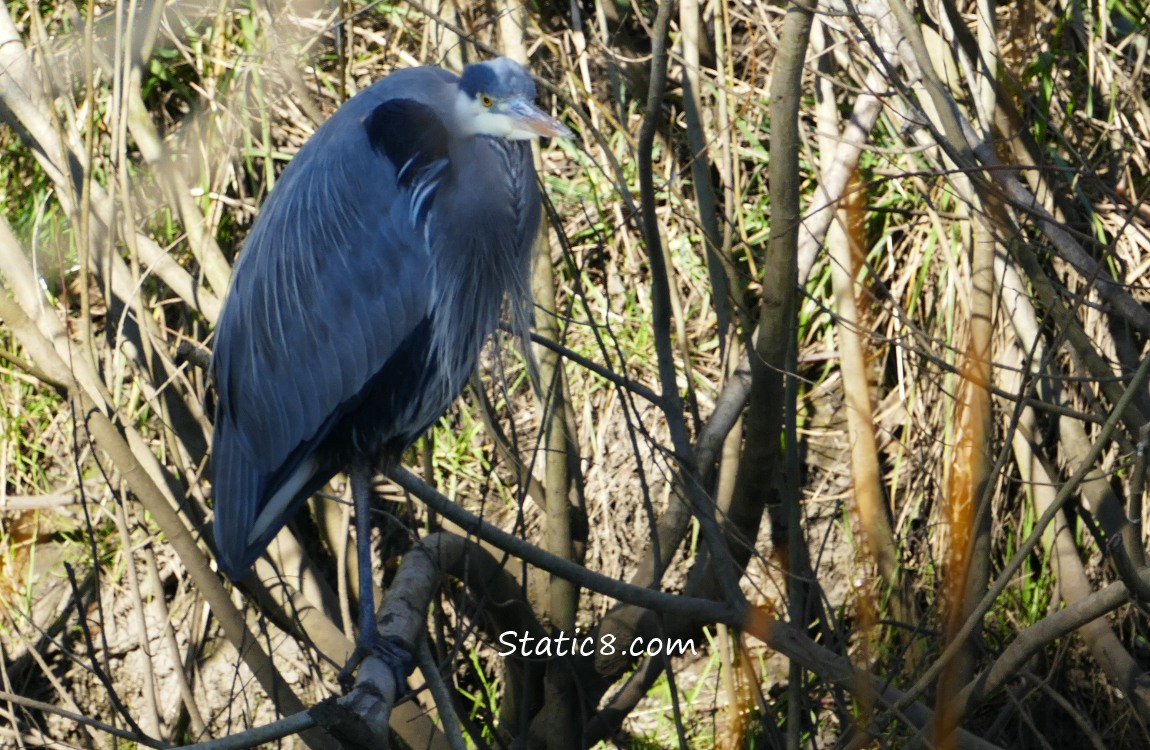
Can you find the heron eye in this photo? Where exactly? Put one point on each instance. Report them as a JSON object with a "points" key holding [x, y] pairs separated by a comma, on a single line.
{"points": [[486, 100]]}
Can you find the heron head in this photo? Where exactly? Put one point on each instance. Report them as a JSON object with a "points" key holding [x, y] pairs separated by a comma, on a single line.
{"points": [[497, 98]]}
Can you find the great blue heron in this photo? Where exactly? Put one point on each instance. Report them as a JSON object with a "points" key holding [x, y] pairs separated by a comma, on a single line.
{"points": [[365, 292]]}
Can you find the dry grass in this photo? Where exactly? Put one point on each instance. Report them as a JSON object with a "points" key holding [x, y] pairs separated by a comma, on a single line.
{"points": [[121, 269]]}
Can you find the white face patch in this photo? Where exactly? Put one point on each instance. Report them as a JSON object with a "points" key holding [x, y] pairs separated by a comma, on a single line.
{"points": [[472, 118]]}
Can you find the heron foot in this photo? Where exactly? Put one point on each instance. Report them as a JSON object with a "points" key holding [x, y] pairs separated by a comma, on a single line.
{"points": [[393, 652]]}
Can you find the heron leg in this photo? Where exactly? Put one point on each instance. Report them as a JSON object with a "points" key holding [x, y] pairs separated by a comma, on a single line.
{"points": [[369, 642], [361, 474], [368, 638]]}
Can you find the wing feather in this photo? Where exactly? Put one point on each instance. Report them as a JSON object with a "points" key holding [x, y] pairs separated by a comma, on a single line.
{"points": [[334, 279]]}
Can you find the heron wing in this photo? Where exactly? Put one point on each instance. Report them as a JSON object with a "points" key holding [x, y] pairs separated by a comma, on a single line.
{"points": [[333, 287]]}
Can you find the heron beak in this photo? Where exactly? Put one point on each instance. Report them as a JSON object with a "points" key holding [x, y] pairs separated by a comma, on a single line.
{"points": [[532, 121]]}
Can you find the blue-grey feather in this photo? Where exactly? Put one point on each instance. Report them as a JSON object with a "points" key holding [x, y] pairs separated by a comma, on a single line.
{"points": [[500, 78], [410, 134], [361, 301]]}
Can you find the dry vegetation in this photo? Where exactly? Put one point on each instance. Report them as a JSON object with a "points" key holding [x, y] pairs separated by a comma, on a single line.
{"points": [[932, 327]]}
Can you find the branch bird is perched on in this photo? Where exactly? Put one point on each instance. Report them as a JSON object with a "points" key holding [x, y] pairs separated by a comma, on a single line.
{"points": [[365, 292]]}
